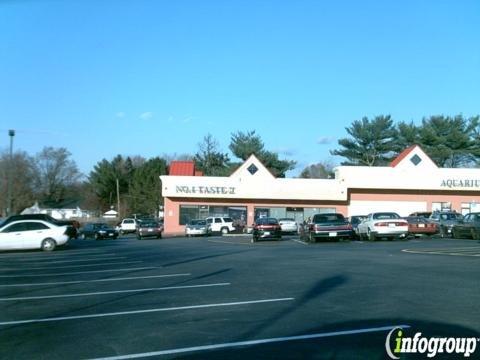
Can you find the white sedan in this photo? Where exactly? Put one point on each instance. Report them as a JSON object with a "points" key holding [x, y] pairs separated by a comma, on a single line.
{"points": [[383, 224], [288, 225], [32, 234]]}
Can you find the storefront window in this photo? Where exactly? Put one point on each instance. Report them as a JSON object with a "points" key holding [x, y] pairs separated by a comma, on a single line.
{"points": [[188, 212], [441, 206]]}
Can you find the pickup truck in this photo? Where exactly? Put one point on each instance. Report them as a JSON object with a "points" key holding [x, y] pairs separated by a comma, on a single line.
{"points": [[128, 225]]}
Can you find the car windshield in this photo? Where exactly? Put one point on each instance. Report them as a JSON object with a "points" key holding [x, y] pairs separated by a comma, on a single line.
{"points": [[328, 218], [385, 216], [267, 221], [286, 219], [198, 222], [149, 224], [101, 226], [450, 216]]}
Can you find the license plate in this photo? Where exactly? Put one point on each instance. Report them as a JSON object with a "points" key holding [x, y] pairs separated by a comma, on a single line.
{"points": [[110, 234], [421, 225], [332, 234], [266, 233], [391, 225], [150, 230]]}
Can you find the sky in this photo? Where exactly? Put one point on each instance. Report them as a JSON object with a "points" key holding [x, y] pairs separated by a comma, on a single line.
{"points": [[139, 77]]}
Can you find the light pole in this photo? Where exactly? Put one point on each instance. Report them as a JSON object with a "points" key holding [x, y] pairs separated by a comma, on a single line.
{"points": [[11, 133]]}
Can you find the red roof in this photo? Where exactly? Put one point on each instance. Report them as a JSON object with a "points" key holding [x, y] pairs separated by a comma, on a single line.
{"points": [[182, 168], [402, 155]]}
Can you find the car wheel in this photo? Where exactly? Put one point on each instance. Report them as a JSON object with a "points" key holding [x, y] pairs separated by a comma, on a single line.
{"points": [[122, 232], [224, 230], [455, 234], [82, 237], [159, 236], [254, 239], [311, 238], [443, 232], [371, 236], [475, 235], [48, 244], [139, 237], [97, 237]]}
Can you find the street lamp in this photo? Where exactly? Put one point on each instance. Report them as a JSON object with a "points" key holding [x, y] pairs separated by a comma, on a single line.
{"points": [[11, 133]]}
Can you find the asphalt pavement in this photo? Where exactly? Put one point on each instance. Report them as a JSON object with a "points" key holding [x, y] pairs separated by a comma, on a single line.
{"points": [[228, 298]]}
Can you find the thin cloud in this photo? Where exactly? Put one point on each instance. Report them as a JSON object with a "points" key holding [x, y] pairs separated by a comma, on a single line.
{"points": [[325, 140], [146, 115], [286, 151], [120, 114]]}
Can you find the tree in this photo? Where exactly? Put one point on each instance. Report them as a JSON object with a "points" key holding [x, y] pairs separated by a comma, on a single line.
{"points": [[104, 175], [408, 135], [243, 145], [450, 141], [371, 142], [145, 193], [22, 187], [209, 159], [55, 171], [321, 170]]}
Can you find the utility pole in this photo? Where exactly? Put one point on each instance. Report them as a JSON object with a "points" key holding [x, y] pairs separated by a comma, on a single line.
{"points": [[118, 199], [11, 133]]}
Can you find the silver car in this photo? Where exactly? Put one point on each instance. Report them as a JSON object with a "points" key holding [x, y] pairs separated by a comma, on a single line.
{"points": [[197, 227]]}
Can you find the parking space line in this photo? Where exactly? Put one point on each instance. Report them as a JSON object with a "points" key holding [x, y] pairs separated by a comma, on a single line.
{"points": [[114, 292], [253, 342], [47, 261], [300, 242], [97, 280], [230, 242], [441, 253], [147, 311], [80, 272], [73, 266]]}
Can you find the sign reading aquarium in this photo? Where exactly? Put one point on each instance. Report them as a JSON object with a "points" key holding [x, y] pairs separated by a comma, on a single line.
{"points": [[463, 183], [208, 190]]}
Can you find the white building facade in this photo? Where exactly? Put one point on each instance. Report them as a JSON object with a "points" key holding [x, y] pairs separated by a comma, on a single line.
{"points": [[411, 183]]}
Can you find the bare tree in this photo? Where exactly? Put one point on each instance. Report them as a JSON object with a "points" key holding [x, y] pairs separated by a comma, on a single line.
{"points": [[22, 187], [55, 172]]}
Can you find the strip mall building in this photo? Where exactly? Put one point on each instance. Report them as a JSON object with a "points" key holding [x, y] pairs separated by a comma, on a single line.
{"points": [[411, 183]]}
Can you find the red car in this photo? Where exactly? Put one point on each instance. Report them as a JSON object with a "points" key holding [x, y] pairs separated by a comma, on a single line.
{"points": [[419, 226], [266, 228]]}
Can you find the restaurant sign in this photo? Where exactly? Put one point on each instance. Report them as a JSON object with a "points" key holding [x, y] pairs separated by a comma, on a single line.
{"points": [[205, 190]]}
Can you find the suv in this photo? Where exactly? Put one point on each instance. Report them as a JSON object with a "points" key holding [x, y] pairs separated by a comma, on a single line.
{"points": [[220, 224], [329, 225], [128, 225]]}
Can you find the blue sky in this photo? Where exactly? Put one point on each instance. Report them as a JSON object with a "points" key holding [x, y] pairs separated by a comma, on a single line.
{"points": [[140, 77]]}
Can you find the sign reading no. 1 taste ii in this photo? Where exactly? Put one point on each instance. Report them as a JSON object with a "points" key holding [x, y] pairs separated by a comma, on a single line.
{"points": [[208, 190]]}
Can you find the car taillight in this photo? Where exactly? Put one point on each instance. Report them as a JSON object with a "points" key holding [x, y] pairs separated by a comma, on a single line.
{"points": [[380, 224]]}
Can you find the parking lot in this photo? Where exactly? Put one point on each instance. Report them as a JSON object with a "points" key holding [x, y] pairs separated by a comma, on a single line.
{"points": [[225, 297]]}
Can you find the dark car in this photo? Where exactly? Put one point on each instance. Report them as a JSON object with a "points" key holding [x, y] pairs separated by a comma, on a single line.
{"points": [[445, 220], [149, 228], [327, 226], [355, 220], [468, 227], [266, 228], [72, 229], [98, 231], [419, 226]]}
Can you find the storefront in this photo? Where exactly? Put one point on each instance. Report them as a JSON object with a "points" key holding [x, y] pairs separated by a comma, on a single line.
{"points": [[411, 183]]}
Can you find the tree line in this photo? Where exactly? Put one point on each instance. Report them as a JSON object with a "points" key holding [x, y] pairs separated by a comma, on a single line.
{"points": [[52, 177]]}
